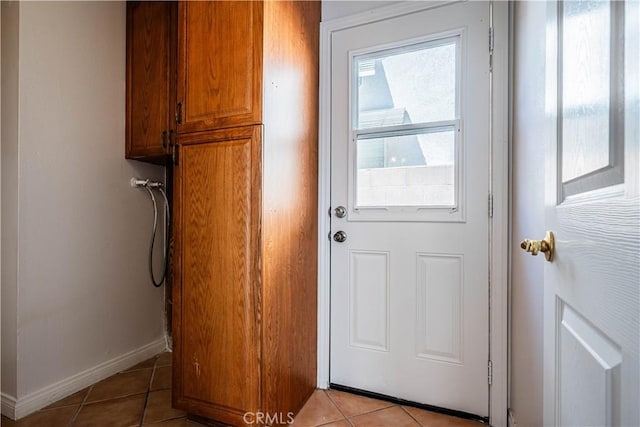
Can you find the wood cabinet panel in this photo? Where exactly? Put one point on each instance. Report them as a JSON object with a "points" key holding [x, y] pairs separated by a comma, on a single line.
{"points": [[217, 286], [220, 57], [150, 34], [290, 203]]}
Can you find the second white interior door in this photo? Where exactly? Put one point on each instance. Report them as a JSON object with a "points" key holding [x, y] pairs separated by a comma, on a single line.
{"points": [[410, 165]]}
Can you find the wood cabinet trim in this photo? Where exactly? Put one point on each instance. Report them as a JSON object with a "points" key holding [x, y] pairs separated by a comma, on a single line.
{"points": [[224, 134]]}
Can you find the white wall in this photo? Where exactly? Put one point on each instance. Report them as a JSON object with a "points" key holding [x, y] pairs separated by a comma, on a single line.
{"points": [[83, 292], [528, 212], [9, 188], [332, 9]]}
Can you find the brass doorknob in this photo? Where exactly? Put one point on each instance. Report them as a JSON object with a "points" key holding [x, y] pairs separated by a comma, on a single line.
{"points": [[546, 245]]}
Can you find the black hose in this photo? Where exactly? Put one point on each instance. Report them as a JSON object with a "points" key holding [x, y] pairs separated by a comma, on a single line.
{"points": [[159, 283]]}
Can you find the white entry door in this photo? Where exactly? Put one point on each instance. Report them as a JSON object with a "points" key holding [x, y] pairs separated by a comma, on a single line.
{"points": [[592, 286], [410, 224]]}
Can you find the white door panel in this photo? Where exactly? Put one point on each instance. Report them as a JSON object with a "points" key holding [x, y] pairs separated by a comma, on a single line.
{"points": [[592, 287], [409, 286], [587, 360]]}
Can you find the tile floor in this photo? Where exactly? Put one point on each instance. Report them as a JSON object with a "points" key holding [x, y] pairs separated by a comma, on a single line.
{"points": [[137, 396], [141, 396], [333, 408]]}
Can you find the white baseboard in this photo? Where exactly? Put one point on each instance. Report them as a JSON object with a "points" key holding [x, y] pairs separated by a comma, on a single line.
{"points": [[512, 419], [7, 405], [17, 408]]}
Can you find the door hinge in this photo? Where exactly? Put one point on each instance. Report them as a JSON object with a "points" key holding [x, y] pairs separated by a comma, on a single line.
{"points": [[176, 154], [491, 43], [490, 372], [172, 139], [179, 113], [491, 40], [164, 139], [490, 205]]}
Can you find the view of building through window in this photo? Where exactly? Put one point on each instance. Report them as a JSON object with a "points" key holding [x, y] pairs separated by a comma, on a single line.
{"points": [[415, 85]]}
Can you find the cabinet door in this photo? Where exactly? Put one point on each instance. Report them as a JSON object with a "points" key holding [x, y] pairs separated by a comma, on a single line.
{"points": [[150, 35], [220, 64], [217, 276]]}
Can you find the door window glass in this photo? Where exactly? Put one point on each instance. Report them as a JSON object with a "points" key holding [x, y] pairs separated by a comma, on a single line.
{"points": [[407, 170], [406, 125], [414, 84], [590, 131]]}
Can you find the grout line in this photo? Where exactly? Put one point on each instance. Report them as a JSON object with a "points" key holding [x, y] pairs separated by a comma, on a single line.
{"points": [[146, 397], [144, 408], [337, 407], [409, 413], [372, 412], [123, 397], [132, 370], [75, 415], [365, 397], [331, 422]]}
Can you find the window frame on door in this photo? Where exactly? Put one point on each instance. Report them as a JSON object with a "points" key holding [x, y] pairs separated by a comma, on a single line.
{"points": [[608, 180], [413, 213]]}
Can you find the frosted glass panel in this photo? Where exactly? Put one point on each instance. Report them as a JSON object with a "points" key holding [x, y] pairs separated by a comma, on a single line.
{"points": [[415, 84], [407, 170], [586, 56]]}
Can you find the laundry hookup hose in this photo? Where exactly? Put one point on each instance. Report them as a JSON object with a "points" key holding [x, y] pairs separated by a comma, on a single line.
{"points": [[149, 186]]}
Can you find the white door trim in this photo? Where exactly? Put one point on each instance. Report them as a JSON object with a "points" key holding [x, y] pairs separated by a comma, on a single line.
{"points": [[499, 236]]}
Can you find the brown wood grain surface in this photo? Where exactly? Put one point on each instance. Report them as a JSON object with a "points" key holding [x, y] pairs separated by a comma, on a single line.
{"points": [[220, 64], [290, 228], [245, 219], [149, 105], [217, 288]]}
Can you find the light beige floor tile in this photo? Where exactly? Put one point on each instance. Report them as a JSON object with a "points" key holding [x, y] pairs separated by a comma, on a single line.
{"points": [[433, 419], [124, 412], [352, 405], [394, 416], [159, 407], [147, 364], [177, 422], [161, 378], [180, 422], [318, 410], [120, 385], [58, 417], [72, 400], [164, 359], [342, 423]]}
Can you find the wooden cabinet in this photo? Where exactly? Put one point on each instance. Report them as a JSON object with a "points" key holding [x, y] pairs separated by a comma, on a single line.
{"points": [[230, 88], [245, 209], [220, 64], [217, 303], [150, 123]]}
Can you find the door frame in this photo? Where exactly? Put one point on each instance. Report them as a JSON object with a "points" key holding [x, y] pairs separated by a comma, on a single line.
{"points": [[497, 242]]}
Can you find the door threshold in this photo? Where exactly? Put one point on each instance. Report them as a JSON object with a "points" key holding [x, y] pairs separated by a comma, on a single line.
{"points": [[438, 409]]}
